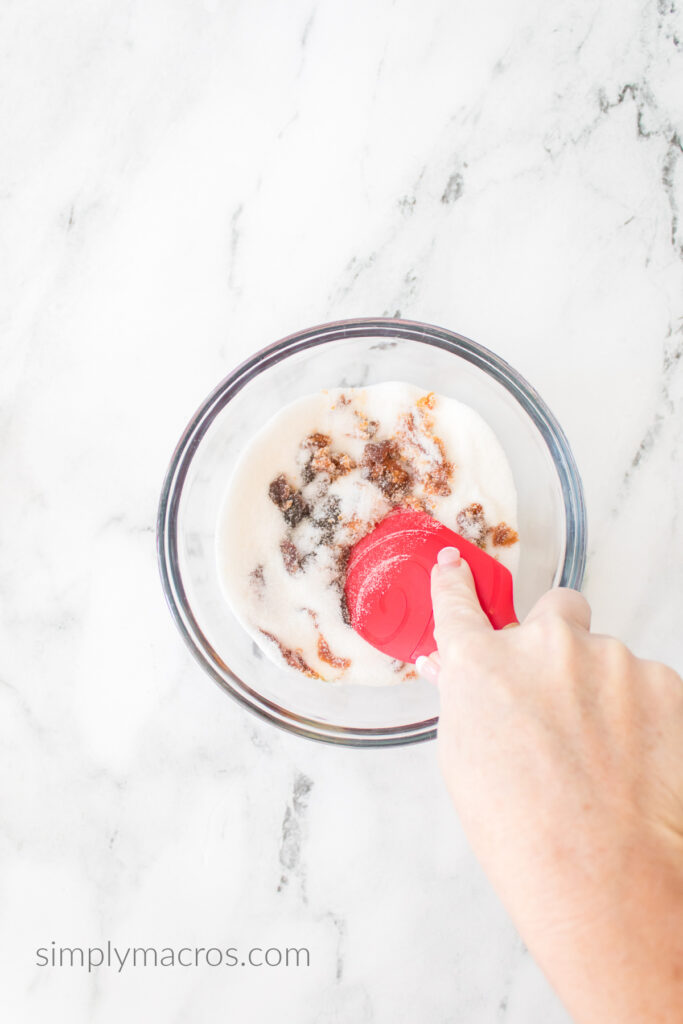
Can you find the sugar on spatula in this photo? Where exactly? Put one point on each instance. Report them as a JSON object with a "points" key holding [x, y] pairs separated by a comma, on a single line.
{"points": [[388, 583]]}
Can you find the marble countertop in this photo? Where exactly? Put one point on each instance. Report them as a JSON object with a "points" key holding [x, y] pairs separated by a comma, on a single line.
{"points": [[183, 183]]}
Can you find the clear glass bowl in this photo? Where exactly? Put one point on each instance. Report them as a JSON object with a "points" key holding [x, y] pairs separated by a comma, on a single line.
{"points": [[353, 353]]}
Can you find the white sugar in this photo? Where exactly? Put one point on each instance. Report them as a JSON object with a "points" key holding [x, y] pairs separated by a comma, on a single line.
{"points": [[315, 479]]}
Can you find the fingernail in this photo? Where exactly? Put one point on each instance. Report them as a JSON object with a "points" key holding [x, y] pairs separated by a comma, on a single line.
{"points": [[448, 556], [427, 669]]}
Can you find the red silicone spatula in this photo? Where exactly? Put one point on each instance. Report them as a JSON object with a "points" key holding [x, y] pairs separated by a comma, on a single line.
{"points": [[388, 583]]}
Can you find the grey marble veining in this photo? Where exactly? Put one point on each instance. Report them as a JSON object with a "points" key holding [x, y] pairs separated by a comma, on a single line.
{"points": [[182, 184]]}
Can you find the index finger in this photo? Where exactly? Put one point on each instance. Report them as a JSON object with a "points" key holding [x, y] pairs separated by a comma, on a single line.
{"points": [[457, 611]]}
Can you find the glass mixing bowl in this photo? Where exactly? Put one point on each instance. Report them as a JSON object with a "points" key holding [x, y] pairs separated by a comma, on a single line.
{"points": [[353, 353]]}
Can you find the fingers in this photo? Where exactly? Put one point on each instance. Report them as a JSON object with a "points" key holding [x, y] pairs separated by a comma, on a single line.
{"points": [[456, 608], [429, 668], [457, 611], [568, 604]]}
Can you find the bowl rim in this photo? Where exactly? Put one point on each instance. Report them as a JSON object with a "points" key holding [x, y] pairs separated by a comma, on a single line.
{"points": [[384, 328]]}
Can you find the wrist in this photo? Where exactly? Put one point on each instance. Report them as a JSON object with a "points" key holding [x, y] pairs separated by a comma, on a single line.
{"points": [[619, 954]]}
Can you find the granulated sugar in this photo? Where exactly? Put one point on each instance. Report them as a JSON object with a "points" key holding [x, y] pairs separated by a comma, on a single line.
{"points": [[318, 477]]}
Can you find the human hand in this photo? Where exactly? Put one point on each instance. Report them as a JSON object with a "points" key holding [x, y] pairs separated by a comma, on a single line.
{"points": [[563, 754]]}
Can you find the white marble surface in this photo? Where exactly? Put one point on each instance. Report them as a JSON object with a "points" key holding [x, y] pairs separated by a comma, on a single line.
{"points": [[182, 183]]}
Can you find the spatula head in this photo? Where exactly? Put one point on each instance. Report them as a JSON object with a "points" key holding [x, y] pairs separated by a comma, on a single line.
{"points": [[388, 583]]}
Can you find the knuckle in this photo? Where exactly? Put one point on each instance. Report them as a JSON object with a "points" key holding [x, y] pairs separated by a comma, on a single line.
{"points": [[564, 603], [617, 649], [664, 677], [578, 599], [617, 655], [552, 625], [552, 636]]}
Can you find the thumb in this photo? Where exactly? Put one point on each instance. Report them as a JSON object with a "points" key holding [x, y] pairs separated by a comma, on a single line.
{"points": [[457, 611]]}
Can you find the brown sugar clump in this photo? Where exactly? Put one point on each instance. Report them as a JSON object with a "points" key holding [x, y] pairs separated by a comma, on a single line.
{"points": [[419, 504], [385, 467], [292, 557], [365, 428], [471, 523], [316, 441], [288, 499], [334, 464], [342, 555], [323, 459], [427, 451], [326, 655], [503, 535], [427, 401], [327, 517], [293, 658], [407, 426], [437, 482], [355, 527]]}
